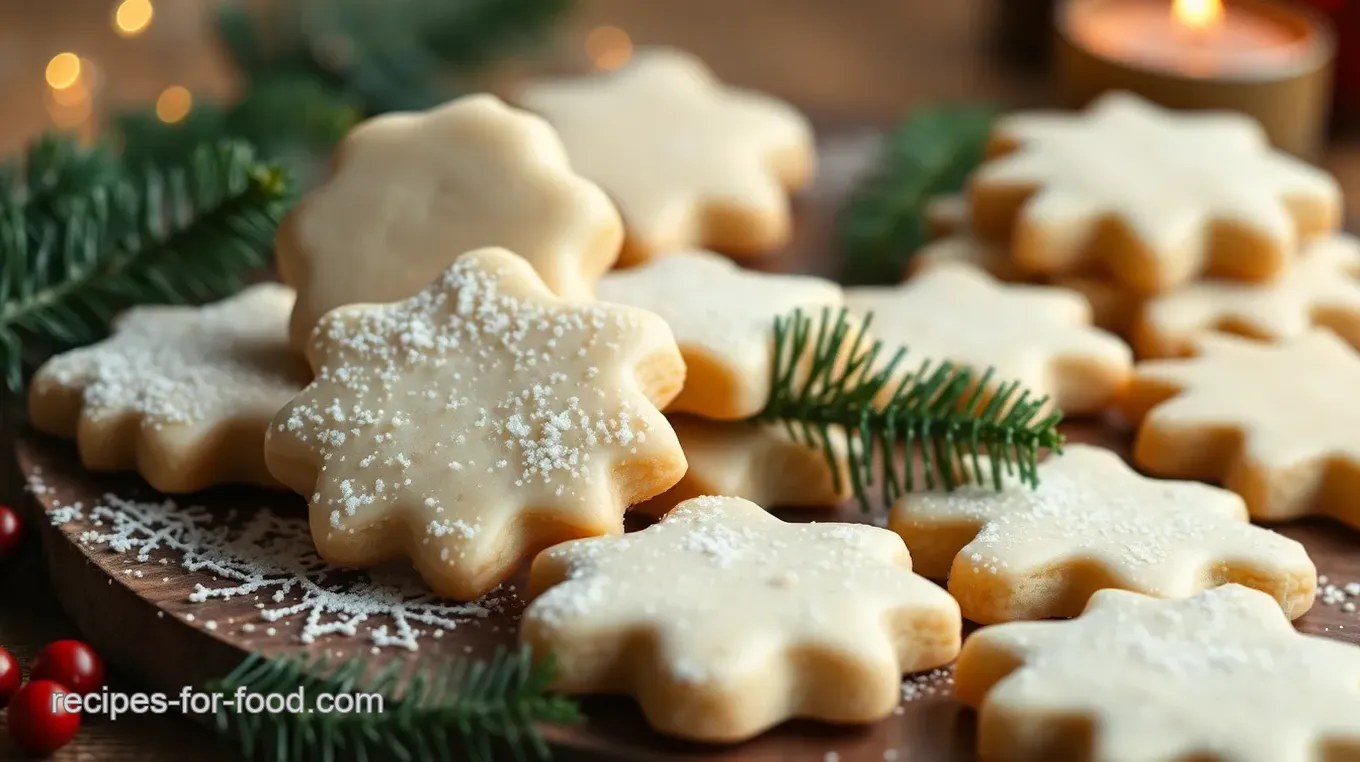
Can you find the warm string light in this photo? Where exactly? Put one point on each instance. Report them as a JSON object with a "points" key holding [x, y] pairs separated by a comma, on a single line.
{"points": [[174, 104], [608, 47], [132, 17], [69, 99]]}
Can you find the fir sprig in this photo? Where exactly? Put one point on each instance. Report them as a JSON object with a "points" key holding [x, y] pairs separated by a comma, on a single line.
{"points": [[928, 154], [828, 374], [54, 167], [180, 233], [461, 710]]}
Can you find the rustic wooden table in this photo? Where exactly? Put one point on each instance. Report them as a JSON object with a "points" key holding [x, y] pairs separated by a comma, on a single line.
{"points": [[846, 61]]}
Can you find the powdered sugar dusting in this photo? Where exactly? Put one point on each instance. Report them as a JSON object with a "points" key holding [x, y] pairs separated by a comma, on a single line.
{"points": [[183, 365], [272, 559]]}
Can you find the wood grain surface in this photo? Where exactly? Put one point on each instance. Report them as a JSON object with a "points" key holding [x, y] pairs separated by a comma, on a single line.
{"points": [[855, 61]]}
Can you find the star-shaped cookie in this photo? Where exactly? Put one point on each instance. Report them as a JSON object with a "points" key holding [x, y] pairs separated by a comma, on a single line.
{"points": [[1093, 523], [1322, 289], [182, 395], [1158, 197], [761, 463], [724, 621], [1040, 336], [690, 162], [1272, 422], [723, 318], [1220, 677], [478, 422], [409, 192]]}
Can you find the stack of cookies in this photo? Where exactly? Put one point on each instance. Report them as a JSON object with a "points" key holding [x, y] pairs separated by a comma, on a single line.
{"points": [[455, 374]]}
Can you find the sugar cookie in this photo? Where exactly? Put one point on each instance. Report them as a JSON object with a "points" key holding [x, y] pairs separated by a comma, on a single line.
{"points": [[690, 162], [1220, 677], [964, 249], [182, 395], [1158, 197], [476, 423], [761, 463], [948, 215], [724, 621], [723, 318], [1037, 335], [412, 191], [1322, 289], [1273, 422], [1093, 523]]}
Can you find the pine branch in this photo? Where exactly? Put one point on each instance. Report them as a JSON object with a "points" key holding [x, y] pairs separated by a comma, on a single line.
{"points": [[54, 168], [177, 234], [457, 710], [829, 375], [928, 154]]}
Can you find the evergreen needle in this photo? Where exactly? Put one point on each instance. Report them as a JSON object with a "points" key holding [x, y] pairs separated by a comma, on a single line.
{"points": [[452, 710], [827, 375], [927, 155], [180, 233]]}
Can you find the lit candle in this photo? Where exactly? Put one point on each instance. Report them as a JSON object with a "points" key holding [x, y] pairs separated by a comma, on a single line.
{"points": [[1256, 56]]}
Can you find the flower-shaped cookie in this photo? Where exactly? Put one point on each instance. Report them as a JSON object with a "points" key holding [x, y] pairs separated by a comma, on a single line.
{"points": [[478, 422], [182, 395], [1322, 288], [1273, 422], [690, 163], [761, 463], [1220, 677], [723, 318], [1038, 335], [1094, 523], [411, 191], [1157, 196], [724, 621]]}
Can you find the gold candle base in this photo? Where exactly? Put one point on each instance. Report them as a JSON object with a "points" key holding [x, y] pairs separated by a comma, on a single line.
{"points": [[1291, 102]]}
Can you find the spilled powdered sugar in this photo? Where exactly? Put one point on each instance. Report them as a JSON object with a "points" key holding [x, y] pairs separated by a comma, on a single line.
{"points": [[273, 559]]}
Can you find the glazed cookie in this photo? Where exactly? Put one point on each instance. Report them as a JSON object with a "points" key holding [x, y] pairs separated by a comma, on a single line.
{"points": [[1037, 335], [948, 215], [724, 621], [723, 318], [1321, 289], [1273, 422], [1093, 523], [476, 423], [690, 163], [761, 463], [1220, 677], [411, 191], [1159, 197], [964, 249], [182, 395]]}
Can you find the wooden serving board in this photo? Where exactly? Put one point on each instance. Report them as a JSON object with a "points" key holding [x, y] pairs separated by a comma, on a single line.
{"points": [[139, 615]]}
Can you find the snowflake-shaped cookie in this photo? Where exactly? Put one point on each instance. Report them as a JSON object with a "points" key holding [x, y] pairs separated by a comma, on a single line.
{"points": [[690, 163], [1093, 523], [1273, 422], [411, 191], [761, 463], [182, 395], [724, 621], [1040, 336], [1157, 196], [1322, 288], [723, 318], [478, 422], [1220, 677]]}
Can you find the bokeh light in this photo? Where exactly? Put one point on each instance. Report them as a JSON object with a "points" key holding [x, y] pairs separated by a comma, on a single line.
{"points": [[63, 71], [173, 104], [132, 17], [608, 47]]}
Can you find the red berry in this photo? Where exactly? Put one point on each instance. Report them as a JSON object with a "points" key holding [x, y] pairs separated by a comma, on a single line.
{"points": [[71, 663], [11, 530], [9, 677], [36, 726]]}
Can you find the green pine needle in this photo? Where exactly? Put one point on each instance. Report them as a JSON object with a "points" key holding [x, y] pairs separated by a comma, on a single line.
{"points": [[54, 167], [180, 233], [461, 710], [927, 155], [828, 375]]}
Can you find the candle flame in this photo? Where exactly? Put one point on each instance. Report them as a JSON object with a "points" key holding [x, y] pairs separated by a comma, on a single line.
{"points": [[1197, 14]]}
